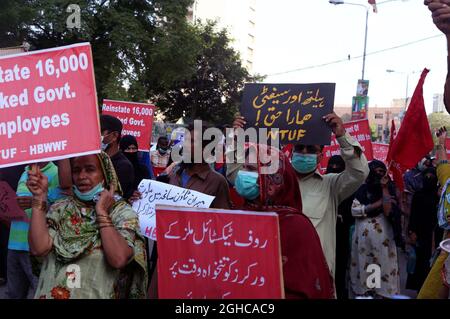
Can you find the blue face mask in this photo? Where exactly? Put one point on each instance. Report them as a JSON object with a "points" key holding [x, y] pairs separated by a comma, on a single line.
{"points": [[246, 184], [89, 195], [162, 151], [304, 163]]}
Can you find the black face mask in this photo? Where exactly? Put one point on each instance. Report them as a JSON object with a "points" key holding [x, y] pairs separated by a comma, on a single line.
{"points": [[430, 184], [374, 178], [132, 157], [335, 169]]}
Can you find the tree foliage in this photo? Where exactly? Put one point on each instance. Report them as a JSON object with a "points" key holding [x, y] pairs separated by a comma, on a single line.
{"points": [[148, 46]]}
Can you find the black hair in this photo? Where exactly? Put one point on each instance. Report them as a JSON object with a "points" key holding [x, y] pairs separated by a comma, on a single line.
{"points": [[162, 138]]}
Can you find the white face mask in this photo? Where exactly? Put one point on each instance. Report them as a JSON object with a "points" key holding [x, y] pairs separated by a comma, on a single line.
{"points": [[104, 145]]}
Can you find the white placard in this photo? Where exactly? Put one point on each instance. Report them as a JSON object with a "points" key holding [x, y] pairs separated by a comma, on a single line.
{"points": [[154, 192]]}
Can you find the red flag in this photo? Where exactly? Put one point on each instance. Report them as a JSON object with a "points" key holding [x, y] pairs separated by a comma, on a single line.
{"points": [[374, 5], [396, 170], [414, 139], [397, 175]]}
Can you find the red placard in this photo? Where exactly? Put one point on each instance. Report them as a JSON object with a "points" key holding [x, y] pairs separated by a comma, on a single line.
{"points": [[360, 130], [136, 118], [218, 254], [380, 151], [48, 105], [9, 208]]}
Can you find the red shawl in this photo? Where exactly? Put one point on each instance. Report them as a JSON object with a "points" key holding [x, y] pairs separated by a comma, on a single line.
{"points": [[305, 270]]}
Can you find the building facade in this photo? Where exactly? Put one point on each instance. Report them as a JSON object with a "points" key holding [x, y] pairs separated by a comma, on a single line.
{"points": [[380, 118], [438, 103], [238, 17]]}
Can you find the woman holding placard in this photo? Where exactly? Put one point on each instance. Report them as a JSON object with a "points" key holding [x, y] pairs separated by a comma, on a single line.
{"points": [[90, 242]]}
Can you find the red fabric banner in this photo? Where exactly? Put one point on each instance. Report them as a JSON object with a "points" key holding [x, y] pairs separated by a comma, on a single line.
{"points": [[360, 130], [380, 151]]}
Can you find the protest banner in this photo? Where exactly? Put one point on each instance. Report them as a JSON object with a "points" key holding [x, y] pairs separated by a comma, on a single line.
{"points": [[48, 105], [360, 130], [362, 88], [295, 109], [359, 107], [9, 208], [154, 192], [380, 151], [218, 254], [136, 118]]}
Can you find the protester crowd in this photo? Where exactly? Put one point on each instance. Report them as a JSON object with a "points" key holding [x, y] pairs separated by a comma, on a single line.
{"points": [[333, 227]]}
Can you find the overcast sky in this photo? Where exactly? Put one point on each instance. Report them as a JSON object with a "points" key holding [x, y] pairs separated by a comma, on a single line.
{"points": [[296, 34]]}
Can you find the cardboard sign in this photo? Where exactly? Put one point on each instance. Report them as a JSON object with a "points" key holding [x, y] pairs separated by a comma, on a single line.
{"points": [[9, 209], [360, 130], [380, 151], [48, 105], [218, 254], [154, 192], [136, 118], [295, 109]]}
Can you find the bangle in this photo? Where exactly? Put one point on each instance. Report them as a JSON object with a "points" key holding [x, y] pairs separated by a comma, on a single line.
{"points": [[101, 218], [39, 204], [104, 218], [105, 226], [105, 223]]}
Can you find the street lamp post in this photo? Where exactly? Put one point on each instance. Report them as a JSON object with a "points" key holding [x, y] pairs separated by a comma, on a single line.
{"points": [[336, 2], [407, 82]]}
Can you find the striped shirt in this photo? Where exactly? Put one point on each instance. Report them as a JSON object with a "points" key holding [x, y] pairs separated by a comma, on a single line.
{"points": [[18, 235]]}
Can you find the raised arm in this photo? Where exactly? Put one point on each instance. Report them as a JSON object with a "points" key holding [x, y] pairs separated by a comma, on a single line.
{"points": [[38, 236]]}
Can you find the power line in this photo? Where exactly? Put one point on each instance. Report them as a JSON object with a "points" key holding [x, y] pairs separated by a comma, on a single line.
{"points": [[357, 57]]}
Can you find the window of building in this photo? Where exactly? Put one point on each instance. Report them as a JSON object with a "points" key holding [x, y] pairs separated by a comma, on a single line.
{"points": [[379, 115]]}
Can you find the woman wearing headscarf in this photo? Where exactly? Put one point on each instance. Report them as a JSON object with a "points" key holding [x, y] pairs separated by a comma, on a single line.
{"points": [[422, 222], [90, 242], [129, 147], [373, 242], [305, 271]]}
